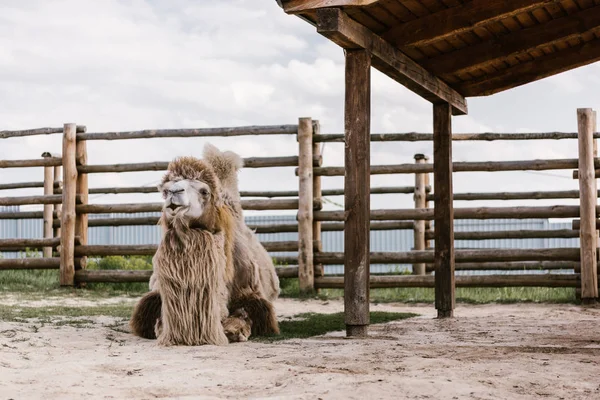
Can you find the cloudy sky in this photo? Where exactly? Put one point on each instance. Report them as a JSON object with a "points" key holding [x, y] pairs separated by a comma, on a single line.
{"points": [[116, 65]]}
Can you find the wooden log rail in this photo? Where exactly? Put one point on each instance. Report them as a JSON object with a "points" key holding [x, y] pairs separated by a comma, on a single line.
{"points": [[37, 131], [576, 174], [26, 200], [150, 249], [33, 263], [520, 234], [576, 224], [428, 281], [21, 185], [28, 243], [467, 166], [462, 255], [513, 266], [129, 276], [40, 162], [277, 204], [250, 162], [458, 137], [25, 214], [563, 194], [464, 213], [186, 133]]}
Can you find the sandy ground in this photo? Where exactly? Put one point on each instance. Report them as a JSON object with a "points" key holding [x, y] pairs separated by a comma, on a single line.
{"points": [[486, 352]]}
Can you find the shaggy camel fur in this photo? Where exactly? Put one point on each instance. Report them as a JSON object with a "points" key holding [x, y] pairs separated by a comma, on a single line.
{"points": [[250, 276]]}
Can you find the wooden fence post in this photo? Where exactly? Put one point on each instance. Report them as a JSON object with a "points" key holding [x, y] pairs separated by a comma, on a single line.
{"points": [[68, 215], [81, 224], [48, 218], [317, 194], [305, 206], [588, 197], [57, 188], [357, 190], [420, 198], [443, 210]]}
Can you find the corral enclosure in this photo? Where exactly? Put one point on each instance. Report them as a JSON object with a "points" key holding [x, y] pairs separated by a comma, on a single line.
{"points": [[69, 215]]}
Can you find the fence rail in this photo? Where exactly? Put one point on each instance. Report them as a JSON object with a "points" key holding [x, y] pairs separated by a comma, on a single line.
{"points": [[67, 207]]}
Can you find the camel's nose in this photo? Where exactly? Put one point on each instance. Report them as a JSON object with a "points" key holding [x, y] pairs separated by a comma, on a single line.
{"points": [[173, 206]]}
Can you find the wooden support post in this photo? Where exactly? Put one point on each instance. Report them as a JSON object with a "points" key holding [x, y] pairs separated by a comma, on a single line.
{"points": [[306, 274], [317, 194], [443, 210], [68, 215], [56, 190], [81, 224], [357, 119], [48, 190], [587, 203], [420, 198]]}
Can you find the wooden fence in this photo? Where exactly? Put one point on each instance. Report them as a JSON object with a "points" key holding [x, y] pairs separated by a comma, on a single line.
{"points": [[66, 209]]}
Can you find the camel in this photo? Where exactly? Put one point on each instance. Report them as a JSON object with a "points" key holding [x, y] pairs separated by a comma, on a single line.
{"points": [[203, 195]]}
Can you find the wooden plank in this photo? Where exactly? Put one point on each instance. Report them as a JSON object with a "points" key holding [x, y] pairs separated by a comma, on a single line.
{"points": [[424, 281], [27, 200], [536, 69], [305, 206], [443, 211], [68, 214], [349, 34], [518, 42], [587, 204], [455, 20], [298, 6], [357, 118]]}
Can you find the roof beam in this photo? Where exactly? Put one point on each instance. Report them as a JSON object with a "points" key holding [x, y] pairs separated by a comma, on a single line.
{"points": [[534, 70], [335, 25], [298, 6], [458, 19], [480, 55]]}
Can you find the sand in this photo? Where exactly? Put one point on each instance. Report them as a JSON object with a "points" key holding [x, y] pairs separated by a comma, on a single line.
{"points": [[522, 351]]}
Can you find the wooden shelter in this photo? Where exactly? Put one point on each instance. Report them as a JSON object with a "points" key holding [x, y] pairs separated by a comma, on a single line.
{"points": [[444, 51]]}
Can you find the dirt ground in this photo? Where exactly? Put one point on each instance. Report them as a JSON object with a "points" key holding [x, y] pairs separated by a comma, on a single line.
{"points": [[486, 352]]}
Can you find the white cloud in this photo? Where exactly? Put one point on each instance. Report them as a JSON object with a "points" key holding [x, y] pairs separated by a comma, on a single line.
{"points": [[115, 65]]}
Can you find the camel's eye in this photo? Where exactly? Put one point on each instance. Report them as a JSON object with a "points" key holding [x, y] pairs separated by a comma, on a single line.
{"points": [[204, 192]]}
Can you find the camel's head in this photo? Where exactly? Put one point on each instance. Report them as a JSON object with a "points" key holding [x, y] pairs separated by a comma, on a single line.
{"points": [[191, 192]]}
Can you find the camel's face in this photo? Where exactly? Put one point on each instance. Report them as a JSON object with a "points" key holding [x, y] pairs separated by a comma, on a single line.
{"points": [[185, 198]]}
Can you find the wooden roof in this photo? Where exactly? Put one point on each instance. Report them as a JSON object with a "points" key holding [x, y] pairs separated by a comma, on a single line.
{"points": [[474, 47]]}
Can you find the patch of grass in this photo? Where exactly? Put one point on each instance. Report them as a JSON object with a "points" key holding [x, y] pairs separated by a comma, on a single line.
{"points": [[290, 288], [311, 324], [46, 314], [468, 295]]}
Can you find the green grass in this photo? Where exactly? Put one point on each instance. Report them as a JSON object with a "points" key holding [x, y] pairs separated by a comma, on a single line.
{"points": [[37, 283], [311, 324], [47, 314], [291, 289]]}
